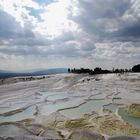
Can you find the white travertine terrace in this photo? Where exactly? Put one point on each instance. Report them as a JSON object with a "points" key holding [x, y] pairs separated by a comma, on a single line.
{"points": [[68, 102]]}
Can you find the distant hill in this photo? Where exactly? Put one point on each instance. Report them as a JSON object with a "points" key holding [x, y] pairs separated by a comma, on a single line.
{"points": [[8, 74], [51, 71]]}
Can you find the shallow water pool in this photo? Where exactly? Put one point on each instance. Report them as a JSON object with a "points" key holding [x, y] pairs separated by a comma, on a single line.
{"points": [[135, 121], [87, 107]]}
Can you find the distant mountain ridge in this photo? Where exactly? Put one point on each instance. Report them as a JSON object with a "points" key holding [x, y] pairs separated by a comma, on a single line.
{"points": [[8, 74]]}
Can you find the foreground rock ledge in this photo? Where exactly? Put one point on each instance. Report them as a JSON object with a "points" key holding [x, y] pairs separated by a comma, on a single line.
{"points": [[74, 136]]}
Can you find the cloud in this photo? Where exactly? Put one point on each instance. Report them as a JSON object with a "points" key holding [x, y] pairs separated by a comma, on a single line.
{"points": [[128, 33], [116, 54], [114, 21], [73, 32], [11, 29]]}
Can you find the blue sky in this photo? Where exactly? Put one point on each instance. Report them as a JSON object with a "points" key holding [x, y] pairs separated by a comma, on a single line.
{"points": [[69, 33]]}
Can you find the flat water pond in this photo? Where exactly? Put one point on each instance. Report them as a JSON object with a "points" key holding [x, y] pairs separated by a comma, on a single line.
{"points": [[134, 121], [88, 107]]}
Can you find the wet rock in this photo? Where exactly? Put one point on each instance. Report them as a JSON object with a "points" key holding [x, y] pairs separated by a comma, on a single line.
{"points": [[52, 134], [77, 123], [12, 112], [134, 110], [111, 125], [124, 138], [83, 135], [12, 129], [54, 120], [114, 127], [26, 138], [36, 129], [26, 121]]}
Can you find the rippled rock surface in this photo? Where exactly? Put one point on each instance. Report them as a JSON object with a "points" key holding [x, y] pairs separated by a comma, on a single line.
{"points": [[13, 129], [134, 110], [124, 138], [82, 135], [60, 105]]}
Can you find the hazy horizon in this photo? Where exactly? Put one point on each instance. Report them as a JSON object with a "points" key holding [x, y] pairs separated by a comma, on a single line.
{"points": [[37, 34]]}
